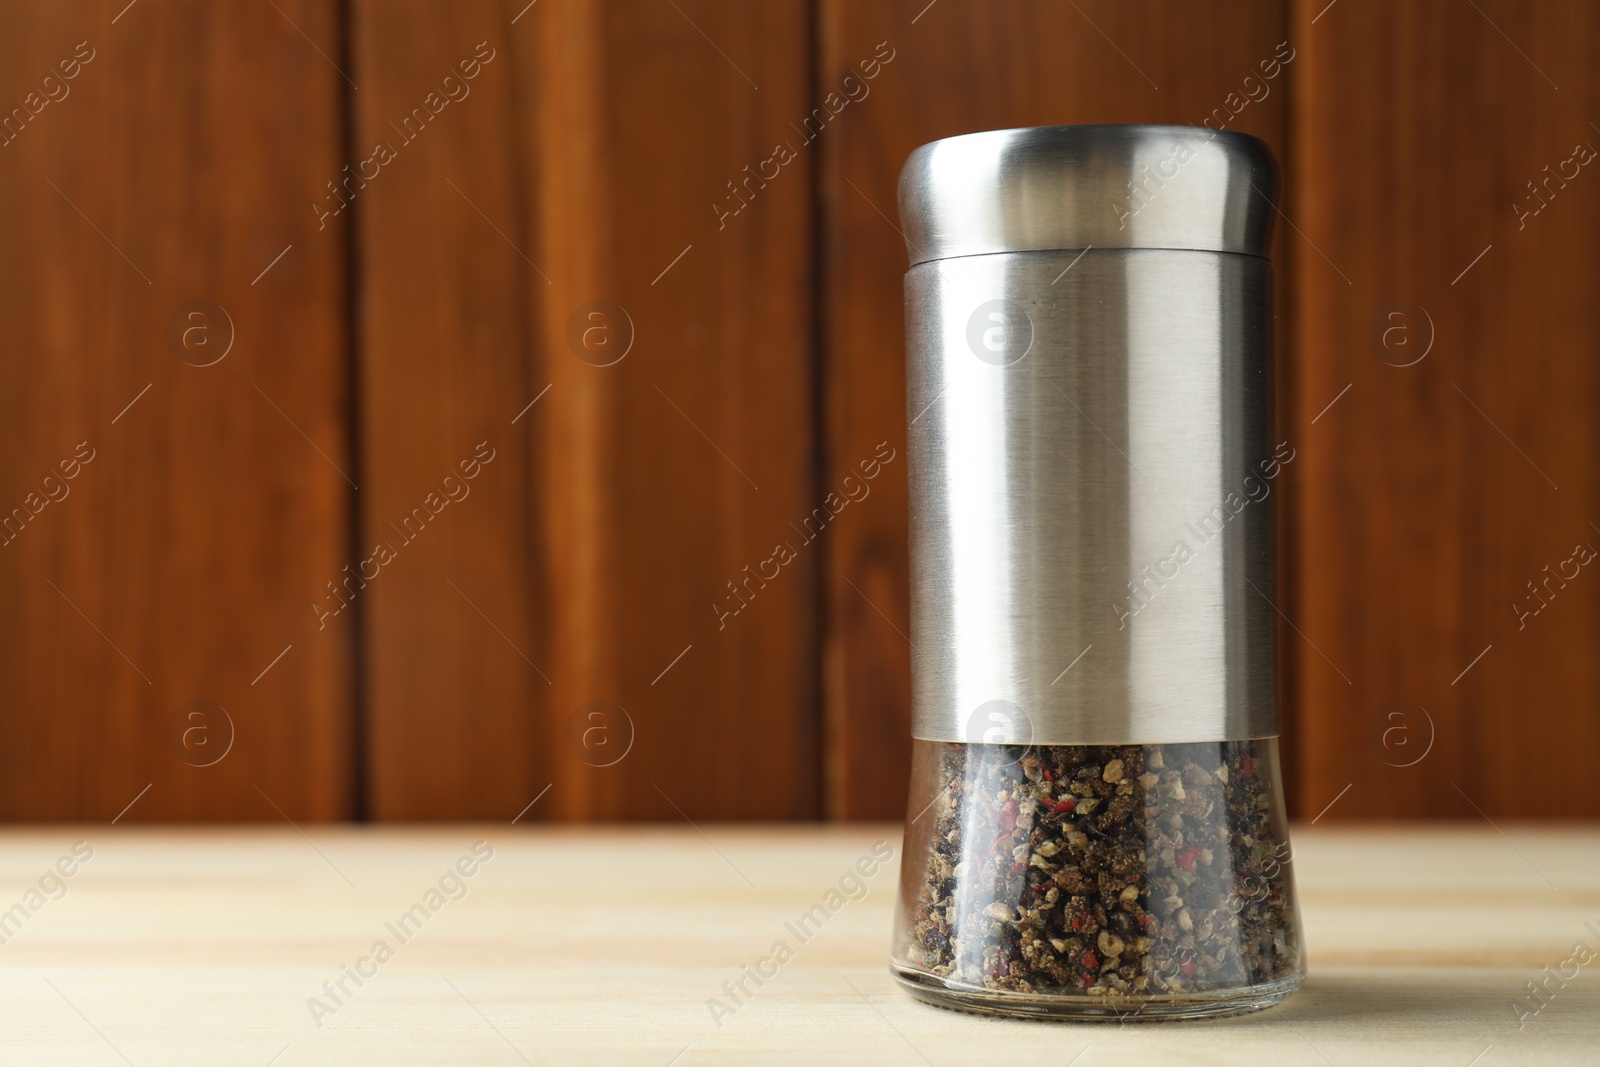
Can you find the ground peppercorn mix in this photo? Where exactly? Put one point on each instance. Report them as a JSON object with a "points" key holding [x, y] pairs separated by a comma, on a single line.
{"points": [[1113, 880]]}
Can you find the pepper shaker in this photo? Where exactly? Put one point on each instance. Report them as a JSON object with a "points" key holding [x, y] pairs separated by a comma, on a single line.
{"points": [[1096, 821]]}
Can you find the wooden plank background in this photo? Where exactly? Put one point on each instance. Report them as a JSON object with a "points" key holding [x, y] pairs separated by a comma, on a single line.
{"points": [[178, 562], [1431, 494], [454, 640], [538, 371], [629, 496]]}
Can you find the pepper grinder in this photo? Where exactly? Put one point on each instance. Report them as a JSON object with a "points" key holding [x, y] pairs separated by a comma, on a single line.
{"points": [[1096, 821]]}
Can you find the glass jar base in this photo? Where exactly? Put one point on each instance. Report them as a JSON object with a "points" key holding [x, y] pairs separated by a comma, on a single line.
{"points": [[1084, 1008]]}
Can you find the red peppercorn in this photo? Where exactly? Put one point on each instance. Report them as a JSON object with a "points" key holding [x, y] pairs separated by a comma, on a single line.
{"points": [[1247, 767], [1187, 966], [1186, 857], [1064, 805], [1047, 775], [1008, 815], [1089, 959]]}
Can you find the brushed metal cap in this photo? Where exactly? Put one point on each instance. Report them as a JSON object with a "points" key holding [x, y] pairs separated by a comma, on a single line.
{"points": [[1107, 187]]}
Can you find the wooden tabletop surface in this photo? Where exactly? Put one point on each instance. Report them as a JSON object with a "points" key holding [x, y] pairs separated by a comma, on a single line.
{"points": [[180, 946]]}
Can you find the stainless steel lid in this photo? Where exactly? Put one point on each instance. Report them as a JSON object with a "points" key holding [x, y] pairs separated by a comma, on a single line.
{"points": [[1105, 187]]}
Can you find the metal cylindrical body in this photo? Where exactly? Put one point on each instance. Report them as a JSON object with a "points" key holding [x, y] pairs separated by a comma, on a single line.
{"points": [[1089, 324]]}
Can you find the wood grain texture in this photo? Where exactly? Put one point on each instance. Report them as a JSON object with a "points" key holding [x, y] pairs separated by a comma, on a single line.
{"points": [[592, 150], [454, 643], [205, 948], [1430, 495], [673, 535], [175, 564], [960, 67]]}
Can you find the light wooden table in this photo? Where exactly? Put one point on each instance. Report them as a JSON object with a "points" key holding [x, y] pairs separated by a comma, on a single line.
{"points": [[604, 946]]}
